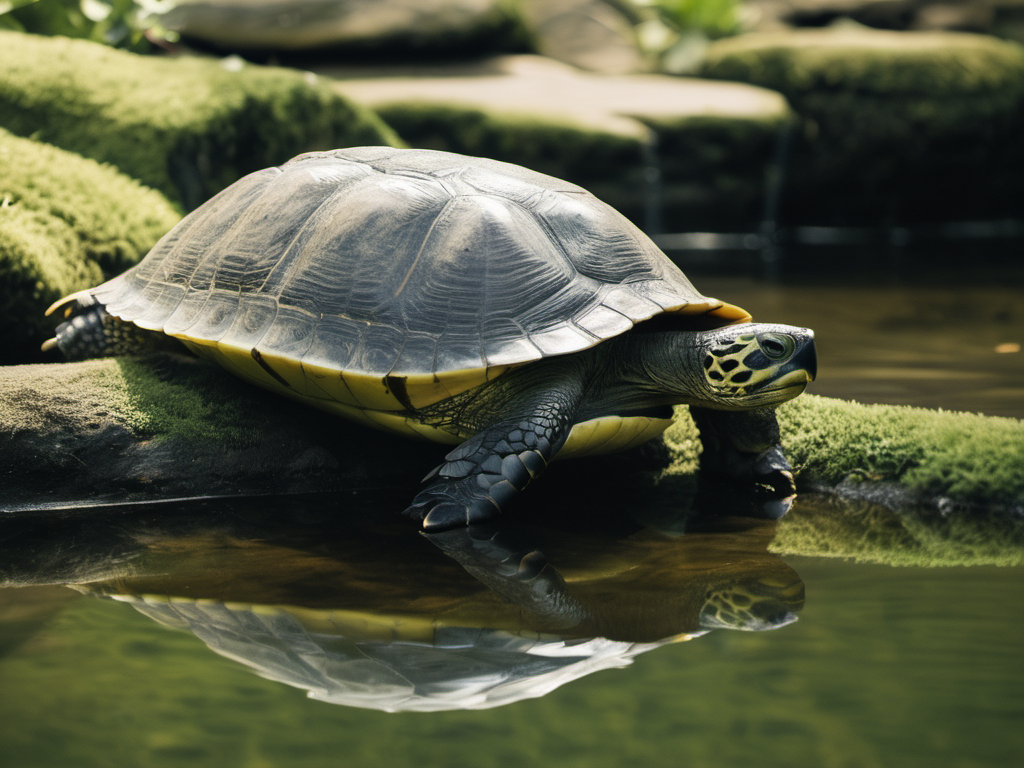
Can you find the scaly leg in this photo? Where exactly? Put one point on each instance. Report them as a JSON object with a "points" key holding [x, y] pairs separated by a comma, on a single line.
{"points": [[479, 478], [744, 446]]}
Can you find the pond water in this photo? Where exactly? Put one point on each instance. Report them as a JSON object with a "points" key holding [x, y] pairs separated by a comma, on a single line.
{"points": [[193, 634]]}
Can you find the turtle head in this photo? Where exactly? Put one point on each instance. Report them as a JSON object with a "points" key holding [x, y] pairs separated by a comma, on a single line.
{"points": [[756, 364], [753, 605]]}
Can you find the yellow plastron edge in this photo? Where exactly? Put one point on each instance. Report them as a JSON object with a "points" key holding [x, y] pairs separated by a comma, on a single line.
{"points": [[327, 392], [608, 434], [320, 385], [315, 383]]}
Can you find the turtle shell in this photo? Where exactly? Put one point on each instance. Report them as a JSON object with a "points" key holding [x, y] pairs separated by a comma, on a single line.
{"points": [[386, 279]]}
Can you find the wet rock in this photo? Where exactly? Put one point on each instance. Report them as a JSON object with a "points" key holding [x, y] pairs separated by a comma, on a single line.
{"points": [[188, 127], [897, 127], [401, 28], [671, 153], [66, 223], [171, 426], [594, 35], [1003, 18], [174, 427]]}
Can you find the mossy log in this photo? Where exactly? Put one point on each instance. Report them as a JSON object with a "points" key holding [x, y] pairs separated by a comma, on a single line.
{"points": [[66, 223], [901, 126], [885, 483], [186, 126]]}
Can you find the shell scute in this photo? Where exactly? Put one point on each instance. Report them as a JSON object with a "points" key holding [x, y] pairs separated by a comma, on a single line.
{"points": [[217, 317], [255, 317]]}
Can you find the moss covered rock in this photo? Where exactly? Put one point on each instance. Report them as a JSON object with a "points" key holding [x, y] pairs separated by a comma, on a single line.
{"points": [[670, 153], [882, 483], [891, 454], [66, 222], [904, 126], [609, 163], [171, 427], [188, 127]]}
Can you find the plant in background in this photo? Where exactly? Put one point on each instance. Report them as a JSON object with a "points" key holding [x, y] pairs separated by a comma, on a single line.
{"points": [[715, 18], [677, 32], [129, 24]]}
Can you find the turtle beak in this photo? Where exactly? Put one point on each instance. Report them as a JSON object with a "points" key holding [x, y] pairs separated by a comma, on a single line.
{"points": [[807, 358], [801, 369]]}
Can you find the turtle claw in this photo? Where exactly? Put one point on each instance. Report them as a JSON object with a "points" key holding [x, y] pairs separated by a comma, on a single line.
{"points": [[448, 506], [772, 470]]}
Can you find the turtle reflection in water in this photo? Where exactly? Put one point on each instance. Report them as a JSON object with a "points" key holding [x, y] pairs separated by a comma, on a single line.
{"points": [[418, 637], [464, 300]]}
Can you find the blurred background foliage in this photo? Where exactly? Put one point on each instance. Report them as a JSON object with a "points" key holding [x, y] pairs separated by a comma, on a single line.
{"points": [[129, 24], [715, 18], [135, 24]]}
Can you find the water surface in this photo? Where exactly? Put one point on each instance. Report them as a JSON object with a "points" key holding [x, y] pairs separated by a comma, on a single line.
{"points": [[883, 666]]}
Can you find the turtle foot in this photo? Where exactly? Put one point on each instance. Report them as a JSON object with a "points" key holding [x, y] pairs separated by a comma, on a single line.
{"points": [[772, 471], [481, 477], [751, 485], [768, 472], [448, 505]]}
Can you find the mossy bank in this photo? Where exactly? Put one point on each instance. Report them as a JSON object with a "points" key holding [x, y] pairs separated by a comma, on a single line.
{"points": [[66, 223], [186, 126], [900, 126], [905, 485]]}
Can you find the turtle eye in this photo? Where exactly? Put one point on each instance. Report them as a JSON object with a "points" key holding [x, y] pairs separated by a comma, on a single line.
{"points": [[777, 346]]}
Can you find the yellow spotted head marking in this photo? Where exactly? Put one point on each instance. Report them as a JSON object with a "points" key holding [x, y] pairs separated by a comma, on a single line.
{"points": [[746, 362], [752, 606]]}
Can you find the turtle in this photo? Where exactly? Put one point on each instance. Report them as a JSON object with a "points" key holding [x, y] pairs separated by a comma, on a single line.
{"points": [[463, 300]]}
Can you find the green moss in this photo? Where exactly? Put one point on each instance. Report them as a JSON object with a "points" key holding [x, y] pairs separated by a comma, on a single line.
{"points": [[151, 398], [964, 457], [894, 123], [186, 126], [863, 531], [199, 405], [66, 222], [890, 484], [869, 61]]}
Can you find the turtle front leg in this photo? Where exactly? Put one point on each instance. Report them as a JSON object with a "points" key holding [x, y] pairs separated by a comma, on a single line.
{"points": [[482, 475], [744, 447]]}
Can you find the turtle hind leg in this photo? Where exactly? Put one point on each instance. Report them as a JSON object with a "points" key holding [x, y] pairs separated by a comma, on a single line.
{"points": [[482, 475], [89, 331], [742, 449]]}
